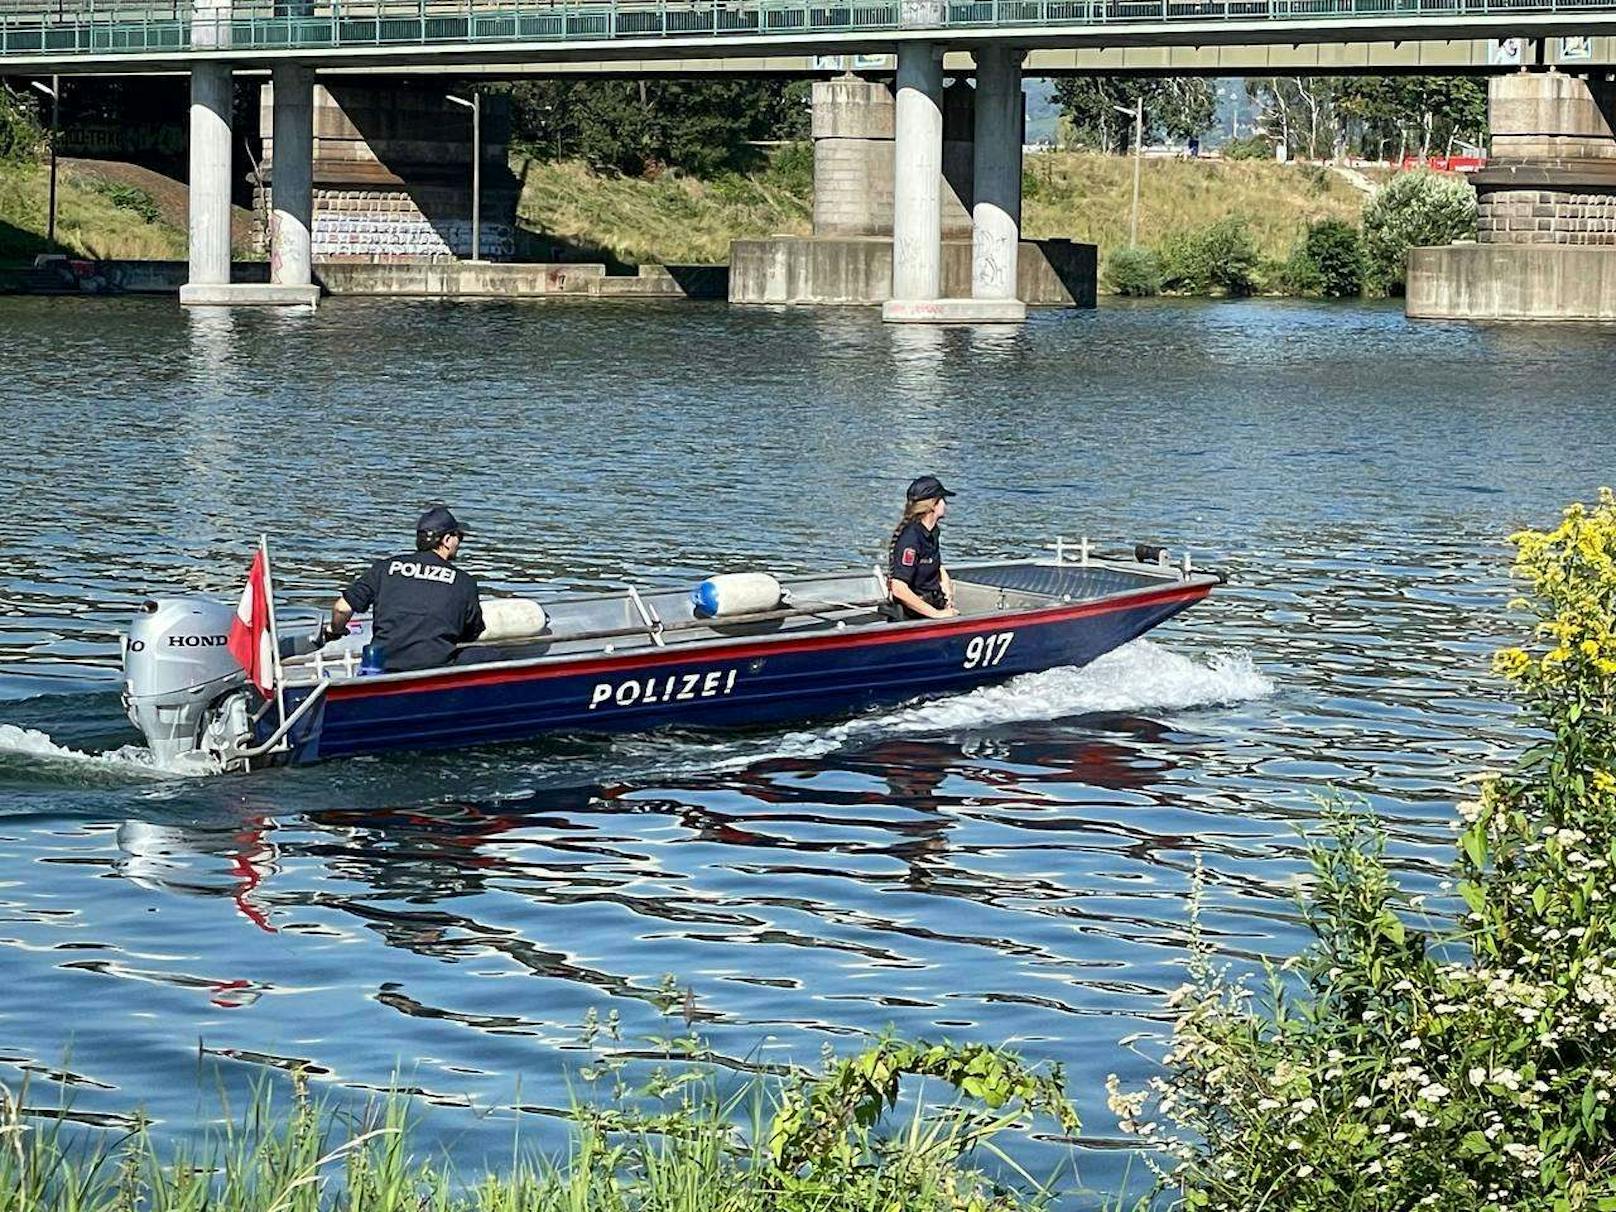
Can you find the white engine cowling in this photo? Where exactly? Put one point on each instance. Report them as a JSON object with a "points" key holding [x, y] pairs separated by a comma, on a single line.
{"points": [[176, 666]]}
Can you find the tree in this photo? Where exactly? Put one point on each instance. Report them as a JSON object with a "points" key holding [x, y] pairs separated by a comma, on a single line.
{"points": [[20, 135], [1300, 112], [1178, 107], [635, 127]]}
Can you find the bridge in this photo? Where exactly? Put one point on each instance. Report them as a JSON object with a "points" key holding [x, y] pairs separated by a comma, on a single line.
{"points": [[210, 39], [142, 35]]}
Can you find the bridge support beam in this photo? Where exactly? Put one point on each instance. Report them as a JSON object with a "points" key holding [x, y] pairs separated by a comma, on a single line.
{"points": [[996, 213], [917, 294], [291, 262], [209, 195], [917, 215]]}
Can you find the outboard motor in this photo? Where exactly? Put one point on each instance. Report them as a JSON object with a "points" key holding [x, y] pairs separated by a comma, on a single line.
{"points": [[176, 668]]}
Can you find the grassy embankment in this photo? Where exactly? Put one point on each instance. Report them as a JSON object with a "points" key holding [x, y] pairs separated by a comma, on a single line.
{"points": [[1081, 196], [95, 217]]}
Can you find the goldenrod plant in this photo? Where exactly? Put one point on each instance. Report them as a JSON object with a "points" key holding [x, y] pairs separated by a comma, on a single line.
{"points": [[1462, 1064]]}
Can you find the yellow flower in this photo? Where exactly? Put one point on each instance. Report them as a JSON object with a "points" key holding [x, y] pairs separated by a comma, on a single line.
{"points": [[1511, 662]]}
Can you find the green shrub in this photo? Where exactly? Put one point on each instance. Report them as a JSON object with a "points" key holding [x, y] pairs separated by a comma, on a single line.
{"points": [[1252, 147], [1133, 271], [1219, 258], [1468, 1064], [1327, 260], [1410, 211], [130, 198]]}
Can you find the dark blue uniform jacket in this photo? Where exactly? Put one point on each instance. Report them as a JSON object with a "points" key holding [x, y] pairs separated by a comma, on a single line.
{"points": [[917, 560], [421, 607]]}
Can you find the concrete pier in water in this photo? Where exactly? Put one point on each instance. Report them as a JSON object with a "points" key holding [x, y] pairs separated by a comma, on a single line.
{"points": [[209, 215], [1545, 245], [851, 257], [917, 149], [291, 253]]}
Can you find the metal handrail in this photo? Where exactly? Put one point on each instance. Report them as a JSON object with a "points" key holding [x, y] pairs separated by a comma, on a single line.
{"points": [[74, 27], [287, 725]]}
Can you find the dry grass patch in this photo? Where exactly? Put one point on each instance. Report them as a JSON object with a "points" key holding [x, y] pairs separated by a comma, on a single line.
{"points": [[1087, 196], [674, 219]]}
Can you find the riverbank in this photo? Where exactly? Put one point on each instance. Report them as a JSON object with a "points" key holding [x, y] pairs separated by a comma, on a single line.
{"points": [[569, 212], [105, 211], [1075, 195]]}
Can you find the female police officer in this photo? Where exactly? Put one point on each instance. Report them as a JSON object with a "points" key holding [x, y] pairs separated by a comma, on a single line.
{"points": [[917, 580]]}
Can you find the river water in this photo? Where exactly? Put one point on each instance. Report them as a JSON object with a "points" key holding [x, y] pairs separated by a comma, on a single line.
{"points": [[1008, 865]]}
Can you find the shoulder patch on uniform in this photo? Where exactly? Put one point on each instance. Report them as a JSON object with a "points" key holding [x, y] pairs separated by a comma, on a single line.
{"points": [[908, 557]]}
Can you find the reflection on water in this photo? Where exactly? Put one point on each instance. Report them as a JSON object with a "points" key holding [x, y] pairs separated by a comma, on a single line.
{"points": [[1009, 864]]}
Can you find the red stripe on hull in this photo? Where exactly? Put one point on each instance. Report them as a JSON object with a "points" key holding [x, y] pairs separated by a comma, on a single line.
{"points": [[742, 650]]}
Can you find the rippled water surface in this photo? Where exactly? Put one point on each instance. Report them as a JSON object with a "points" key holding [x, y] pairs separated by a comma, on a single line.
{"points": [[1009, 864]]}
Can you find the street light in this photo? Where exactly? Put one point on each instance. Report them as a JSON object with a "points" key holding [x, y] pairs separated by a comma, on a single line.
{"points": [[1137, 110], [475, 105], [53, 91]]}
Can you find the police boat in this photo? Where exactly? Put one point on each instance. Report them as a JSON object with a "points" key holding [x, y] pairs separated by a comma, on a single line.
{"points": [[740, 650]]}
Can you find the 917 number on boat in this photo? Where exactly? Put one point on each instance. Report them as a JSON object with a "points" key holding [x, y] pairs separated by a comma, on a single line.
{"points": [[985, 651]]}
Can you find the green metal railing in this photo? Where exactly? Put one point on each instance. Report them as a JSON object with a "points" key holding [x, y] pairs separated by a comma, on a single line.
{"points": [[109, 27]]}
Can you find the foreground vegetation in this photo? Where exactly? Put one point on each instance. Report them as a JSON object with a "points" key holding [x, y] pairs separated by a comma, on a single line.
{"points": [[675, 1141], [1409, 1063]]}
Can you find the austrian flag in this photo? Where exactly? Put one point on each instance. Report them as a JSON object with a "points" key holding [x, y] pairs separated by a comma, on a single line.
{"points": [[252, 639]]}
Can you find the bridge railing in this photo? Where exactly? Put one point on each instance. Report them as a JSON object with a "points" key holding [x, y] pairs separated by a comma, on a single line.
{"points": [[101, 27]]}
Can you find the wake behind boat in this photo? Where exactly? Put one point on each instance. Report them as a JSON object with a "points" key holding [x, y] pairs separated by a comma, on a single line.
{"points": [[738, 651]]}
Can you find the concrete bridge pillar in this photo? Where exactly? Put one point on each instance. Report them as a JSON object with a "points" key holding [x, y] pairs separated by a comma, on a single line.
{"points": [[209, 202], [292, 180], [1545, 244], [917, 217], [996, 214]]}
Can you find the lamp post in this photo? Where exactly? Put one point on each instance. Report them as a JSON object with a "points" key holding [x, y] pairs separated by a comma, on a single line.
{"points": [[53, 90], [1137, 111], [475, 105]]}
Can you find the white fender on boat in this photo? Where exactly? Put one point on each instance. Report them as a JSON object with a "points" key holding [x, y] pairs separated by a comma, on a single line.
{"points": [[512, 619], [736, 593]]}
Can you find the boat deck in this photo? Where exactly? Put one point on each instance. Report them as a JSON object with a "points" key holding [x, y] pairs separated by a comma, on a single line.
{"points": [[636, 622]]}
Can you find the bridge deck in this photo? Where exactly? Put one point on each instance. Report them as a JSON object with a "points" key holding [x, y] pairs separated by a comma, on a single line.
{"points": [[126, 34]]}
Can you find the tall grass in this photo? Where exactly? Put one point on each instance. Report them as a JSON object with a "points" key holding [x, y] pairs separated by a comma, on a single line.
{"points": [[674, 219], [686, 1137]]}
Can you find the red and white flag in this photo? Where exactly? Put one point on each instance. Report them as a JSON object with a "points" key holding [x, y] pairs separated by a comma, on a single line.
{"points": [[252, 638]]}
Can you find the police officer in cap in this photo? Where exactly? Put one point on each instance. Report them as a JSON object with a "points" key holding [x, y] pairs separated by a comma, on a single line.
{"points": [[917, 580], [421, 605]]}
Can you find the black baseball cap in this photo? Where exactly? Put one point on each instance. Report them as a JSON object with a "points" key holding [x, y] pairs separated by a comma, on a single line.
{"points": [[438, 520], [928, 488]]}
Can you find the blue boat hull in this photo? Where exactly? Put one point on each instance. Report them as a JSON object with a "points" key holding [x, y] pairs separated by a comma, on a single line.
{"points": [[741, 683]]}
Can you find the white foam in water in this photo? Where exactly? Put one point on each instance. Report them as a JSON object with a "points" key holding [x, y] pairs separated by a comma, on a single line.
{"points": [[135, 760], [1141, 676]]}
